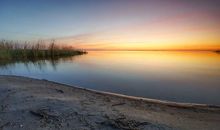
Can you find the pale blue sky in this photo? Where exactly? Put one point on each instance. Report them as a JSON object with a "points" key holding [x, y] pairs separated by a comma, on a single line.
{"points": [[46, 19]]}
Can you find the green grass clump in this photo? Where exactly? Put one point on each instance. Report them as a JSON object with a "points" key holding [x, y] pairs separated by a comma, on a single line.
{"points": [[24, 51]]}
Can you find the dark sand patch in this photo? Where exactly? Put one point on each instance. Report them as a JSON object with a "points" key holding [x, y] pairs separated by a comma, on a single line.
{"points": [[27, 103]]}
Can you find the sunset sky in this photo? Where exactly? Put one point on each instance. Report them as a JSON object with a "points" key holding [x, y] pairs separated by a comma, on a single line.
{"points": [[115, 24]]}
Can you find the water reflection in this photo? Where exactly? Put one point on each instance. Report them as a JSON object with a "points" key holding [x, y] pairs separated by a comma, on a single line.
{"points": [[40, 64], [174, 76]]}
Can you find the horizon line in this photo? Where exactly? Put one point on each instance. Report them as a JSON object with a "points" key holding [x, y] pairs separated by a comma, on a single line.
{"points": [[148, 50]]}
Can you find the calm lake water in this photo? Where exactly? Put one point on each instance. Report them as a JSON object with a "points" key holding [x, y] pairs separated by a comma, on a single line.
{"points": [[192, 77]]}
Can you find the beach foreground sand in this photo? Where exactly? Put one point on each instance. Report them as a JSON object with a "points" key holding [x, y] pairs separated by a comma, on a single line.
{"points": [[31, 104]]}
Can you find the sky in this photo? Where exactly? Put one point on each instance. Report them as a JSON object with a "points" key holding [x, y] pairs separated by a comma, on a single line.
{"points": [[114, 24]]}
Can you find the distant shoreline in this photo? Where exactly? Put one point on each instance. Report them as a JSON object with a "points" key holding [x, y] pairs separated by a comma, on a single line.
{"points": [[159, 50], [60, 106]]}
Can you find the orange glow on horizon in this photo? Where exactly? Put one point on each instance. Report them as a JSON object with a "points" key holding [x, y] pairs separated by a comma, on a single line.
{"points": [[146, 47], [182, 32]]}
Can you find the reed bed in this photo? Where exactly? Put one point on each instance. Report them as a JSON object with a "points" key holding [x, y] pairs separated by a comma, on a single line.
{"points": [[32, 51]]}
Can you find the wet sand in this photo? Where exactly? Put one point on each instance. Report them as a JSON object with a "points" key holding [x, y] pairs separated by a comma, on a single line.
{"points": [[27, 103]]}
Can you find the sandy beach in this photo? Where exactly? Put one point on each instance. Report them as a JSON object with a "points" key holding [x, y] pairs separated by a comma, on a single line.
{"points": [[27, 104]]}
